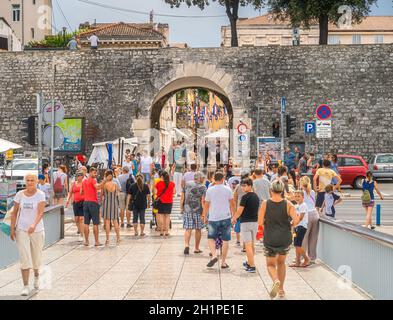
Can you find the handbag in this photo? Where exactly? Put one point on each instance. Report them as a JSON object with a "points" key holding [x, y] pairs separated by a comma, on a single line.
{"points": [[5, 226], [366, 197], [156, 201]]}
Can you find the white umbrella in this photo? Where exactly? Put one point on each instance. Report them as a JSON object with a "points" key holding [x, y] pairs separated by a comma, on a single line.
{"points": [[7, 145]]}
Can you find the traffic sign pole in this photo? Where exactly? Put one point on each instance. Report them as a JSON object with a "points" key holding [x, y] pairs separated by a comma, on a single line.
{"points": [[39, 114], [283, 109], [52, 151]]}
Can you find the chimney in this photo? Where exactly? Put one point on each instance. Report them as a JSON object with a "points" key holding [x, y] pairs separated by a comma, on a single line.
{"points": [[152, 17]]}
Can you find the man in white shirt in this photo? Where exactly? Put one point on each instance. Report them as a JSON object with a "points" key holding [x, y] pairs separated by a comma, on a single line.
{"points": [[220, 207], [93, 42], [189, 175], [146, 166]]}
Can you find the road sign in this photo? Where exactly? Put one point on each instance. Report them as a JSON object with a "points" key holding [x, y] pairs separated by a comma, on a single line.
{"points": [[309, 127], [59, 137], [243, 138], [324, 129], [242, 128], [283, 104], [9, 155], [323, 112], [47, 112]]}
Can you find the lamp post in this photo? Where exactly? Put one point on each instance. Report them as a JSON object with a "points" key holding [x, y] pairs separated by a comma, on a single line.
{"points": [[64, 34]]}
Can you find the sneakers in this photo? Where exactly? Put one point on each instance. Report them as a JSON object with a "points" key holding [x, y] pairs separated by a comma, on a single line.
{"points": [[122, 225], [251, 269], [245, 264], [212, 262], [25, 291], [238, 243], [187, 250], [36, 283], [80, 238]]}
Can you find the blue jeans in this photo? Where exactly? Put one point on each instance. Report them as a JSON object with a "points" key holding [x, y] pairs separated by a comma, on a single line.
{"points": [[222, 227]]}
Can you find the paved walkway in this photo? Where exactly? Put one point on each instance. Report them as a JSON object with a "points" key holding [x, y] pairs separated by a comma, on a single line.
{"points": [[155, 268]]}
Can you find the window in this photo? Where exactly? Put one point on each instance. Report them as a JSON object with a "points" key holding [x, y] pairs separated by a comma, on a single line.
{"points": [[16, 12], [378, 38], [386, 158], [23, 166], [352, 162], [3, 43], [356, 39], [333, 39], [32, 33]]}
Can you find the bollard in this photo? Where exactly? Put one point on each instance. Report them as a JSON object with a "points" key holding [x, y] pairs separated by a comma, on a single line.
{"points": [[378, 215]]}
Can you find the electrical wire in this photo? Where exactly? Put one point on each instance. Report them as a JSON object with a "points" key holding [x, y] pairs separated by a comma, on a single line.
{"points": [[147, 13], [62, 13]]}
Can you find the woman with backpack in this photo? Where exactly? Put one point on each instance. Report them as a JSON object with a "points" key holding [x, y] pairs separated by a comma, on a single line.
{"points": [[140, 199], [60, 185], [368, 200], [164, 201]]}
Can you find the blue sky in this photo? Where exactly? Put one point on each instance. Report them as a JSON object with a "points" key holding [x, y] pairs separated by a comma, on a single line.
{"points": [[196, 32]]}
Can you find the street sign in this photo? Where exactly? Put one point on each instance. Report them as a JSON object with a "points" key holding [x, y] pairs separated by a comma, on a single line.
{"points": [[309, 127], [242, 128], [324, 129], [47, 112], [242, 138], [283, 104], [59, 137], [9, 155], [323, 112]]}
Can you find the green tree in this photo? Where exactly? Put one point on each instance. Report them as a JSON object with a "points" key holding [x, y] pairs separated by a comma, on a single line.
{"points": [[306, 12], [231, 6]]}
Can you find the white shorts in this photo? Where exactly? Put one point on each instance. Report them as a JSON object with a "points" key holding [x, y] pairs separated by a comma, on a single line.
{"points": [[249, 231], [30, 249], [122, 200]]}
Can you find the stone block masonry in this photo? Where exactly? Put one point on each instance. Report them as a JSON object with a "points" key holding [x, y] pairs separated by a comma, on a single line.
{"points": [[112, 88]]}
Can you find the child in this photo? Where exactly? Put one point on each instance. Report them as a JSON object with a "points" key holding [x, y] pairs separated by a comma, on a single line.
{"points": [[44, 187], [331, 199], [300, 230]]}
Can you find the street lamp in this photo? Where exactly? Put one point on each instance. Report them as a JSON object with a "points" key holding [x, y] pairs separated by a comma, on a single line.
{"points": [[64, 34]]}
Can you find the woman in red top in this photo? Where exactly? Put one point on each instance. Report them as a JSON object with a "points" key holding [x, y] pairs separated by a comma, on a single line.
{"points": [[165, 191], [77, 199]]}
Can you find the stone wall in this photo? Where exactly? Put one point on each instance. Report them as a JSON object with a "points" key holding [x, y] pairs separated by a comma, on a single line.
{"points": [[115, 88]]}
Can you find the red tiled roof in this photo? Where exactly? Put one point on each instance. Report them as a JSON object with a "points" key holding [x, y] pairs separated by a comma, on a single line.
{"points": [[370, 23], [123, 31]]}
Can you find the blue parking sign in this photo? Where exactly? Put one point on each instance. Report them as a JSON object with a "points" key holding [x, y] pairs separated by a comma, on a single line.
{"points": [[309, 127]]}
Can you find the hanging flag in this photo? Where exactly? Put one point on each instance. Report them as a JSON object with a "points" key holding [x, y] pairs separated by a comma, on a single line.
{"points": [[225, 110], [215, 109], [177, 109]]}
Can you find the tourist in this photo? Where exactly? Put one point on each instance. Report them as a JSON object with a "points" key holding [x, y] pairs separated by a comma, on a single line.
{"points": [[194, 197], [298, 156], [235, 179], [93, 41], [91, 208], [268, 160], [322, 178], [368, 198], [302, 167], [237, 197], [274, 217], [83, 169], [46, 172], [261, 185], [289, 158], [219, 205], [189, 175], [300, 230], [164, 202], [157, 161], [274, 175], [247, 212], [163, 158], [292, 179], [311, 238], [44, 187], [330, 201], [210, 179], [110, 206], [260, 163], [72, 45], [178, 168], [60, 185], [312, 164], [146, 166], [154, 210], [128, 163], [140, 199], [77, 199], [27, 228], [334, 167], [123, 178]]}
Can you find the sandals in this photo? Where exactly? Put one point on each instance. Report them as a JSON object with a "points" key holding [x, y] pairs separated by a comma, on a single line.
{"points": [[143, 234], [106, 243], [86, 244], [224, 266], [198, 251], [294, 265], [281, 293], [275, 288], [118, 241]]}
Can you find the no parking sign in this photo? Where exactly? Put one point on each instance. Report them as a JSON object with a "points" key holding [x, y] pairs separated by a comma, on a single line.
{"points": [[323, 112]]}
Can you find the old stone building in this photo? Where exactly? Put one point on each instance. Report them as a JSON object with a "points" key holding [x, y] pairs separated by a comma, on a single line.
{"points": [[122, 92]]}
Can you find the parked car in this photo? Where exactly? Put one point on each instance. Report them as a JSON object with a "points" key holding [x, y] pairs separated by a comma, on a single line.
{"points": [[352, 170], [381, 165], [19, 168]]}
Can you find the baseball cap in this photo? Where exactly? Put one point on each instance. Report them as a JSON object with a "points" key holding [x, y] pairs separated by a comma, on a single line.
{"points": [[41, 177]]}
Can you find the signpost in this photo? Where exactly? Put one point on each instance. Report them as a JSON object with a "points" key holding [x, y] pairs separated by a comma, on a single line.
{"points": [[309, 129], [323, 125], [283, 110]]}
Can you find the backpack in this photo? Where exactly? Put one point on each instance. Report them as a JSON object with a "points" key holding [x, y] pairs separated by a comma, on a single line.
{"points": [[58, 186], [366, 197]]}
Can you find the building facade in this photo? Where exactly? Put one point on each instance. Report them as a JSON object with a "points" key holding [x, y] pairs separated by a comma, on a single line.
{"points": [[8, 39], [31, 20], [266, 31]]}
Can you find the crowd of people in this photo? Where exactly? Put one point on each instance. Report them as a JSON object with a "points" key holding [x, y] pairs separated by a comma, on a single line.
{"points": [[276, 204]]}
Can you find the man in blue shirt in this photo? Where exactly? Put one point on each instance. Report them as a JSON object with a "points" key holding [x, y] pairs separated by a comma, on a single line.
{"points": [[289, 159]]}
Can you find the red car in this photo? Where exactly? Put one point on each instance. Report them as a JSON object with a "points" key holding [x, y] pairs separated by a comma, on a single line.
{"points": [[352, 170]]}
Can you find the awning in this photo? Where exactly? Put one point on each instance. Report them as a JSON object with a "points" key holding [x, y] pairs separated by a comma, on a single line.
{"points": [[181, 133], [7, 145]]}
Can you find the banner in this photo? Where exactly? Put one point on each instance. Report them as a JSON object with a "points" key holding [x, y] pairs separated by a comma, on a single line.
{"points": [[269, 145], [73, 135]]}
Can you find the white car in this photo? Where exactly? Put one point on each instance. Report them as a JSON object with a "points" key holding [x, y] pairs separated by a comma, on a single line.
{"points": [[19, 168]]}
